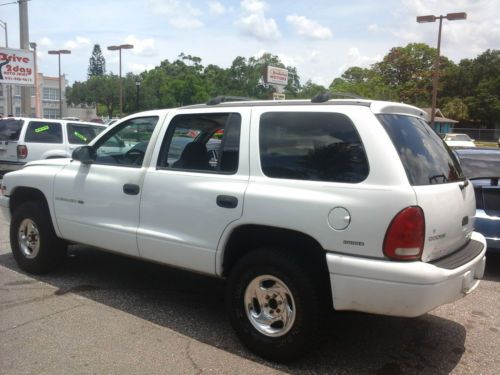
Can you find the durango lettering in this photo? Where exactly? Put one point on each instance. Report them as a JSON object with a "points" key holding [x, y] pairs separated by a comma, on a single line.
{"points": [[14, 58]]}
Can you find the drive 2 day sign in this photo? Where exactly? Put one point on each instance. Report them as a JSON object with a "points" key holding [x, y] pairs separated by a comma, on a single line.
{"points": [[17, 67]]}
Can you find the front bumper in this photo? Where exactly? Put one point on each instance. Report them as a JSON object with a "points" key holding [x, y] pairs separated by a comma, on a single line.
{"points": [[406, 289]]}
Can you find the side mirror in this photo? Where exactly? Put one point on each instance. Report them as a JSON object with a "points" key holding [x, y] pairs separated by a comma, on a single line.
{"points": [[84, 154]]}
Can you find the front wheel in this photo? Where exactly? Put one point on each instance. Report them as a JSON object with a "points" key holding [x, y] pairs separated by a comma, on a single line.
{"points": [[35, 245], [274, 305]]}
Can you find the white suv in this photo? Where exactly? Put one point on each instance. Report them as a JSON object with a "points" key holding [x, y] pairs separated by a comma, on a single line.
{"points": [[26, 139], [303, 206]]}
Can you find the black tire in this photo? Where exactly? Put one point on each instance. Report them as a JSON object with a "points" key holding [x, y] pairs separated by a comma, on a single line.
{"points": [[307, 304], [50, 251]]}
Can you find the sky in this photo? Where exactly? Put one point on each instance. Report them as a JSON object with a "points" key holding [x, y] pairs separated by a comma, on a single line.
{"points": [[321, 38]]}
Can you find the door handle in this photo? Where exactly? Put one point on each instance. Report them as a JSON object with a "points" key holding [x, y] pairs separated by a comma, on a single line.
{"points": [[131, 189], [227, 201]]}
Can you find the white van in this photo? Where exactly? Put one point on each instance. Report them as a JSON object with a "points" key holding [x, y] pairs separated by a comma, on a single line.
{"points": [[26, 139]]}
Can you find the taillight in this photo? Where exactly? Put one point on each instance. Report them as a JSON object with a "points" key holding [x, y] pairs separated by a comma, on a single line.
{"points": [[405, 237], [22, 152]]}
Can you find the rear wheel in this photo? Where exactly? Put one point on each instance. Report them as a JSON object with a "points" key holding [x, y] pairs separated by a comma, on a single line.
{"points": [[35, 245], [274, 305]]}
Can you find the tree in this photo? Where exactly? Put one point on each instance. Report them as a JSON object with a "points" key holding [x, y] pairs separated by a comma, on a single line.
{"points": [[456, 109], [408, 70], [97, 63]]}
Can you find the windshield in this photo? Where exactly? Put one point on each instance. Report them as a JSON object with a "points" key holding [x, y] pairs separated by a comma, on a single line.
{"points": [[10, 129], [480, 163], [457, 137], [426, 158]]}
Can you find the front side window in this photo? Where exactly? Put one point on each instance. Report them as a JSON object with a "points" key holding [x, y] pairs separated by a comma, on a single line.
{"points": [[426, 158], [126, 145], [202, 142], [318, 146], [82, 134], [44, 132]]}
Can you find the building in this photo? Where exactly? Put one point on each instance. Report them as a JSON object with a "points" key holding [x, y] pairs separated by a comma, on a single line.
{"points": [[49, 101], [442, 124]]}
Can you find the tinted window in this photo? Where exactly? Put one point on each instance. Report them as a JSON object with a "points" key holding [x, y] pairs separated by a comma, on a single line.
{"points": [[202, 142], [10, 129], [82, 134], [426, 158], [44, 132], [311, 146], [480, 163]]}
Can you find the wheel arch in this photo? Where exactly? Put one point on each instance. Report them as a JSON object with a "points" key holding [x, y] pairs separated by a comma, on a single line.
{"points": [[22, 194], [251, 236]]}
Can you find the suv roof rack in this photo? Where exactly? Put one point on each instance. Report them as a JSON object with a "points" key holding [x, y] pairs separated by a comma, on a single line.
{"points": [[325, 96], [222, 99]]}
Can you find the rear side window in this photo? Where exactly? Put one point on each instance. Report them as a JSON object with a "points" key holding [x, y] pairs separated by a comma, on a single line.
{"points": [[314, 146], [44, 132], [82, 134], [202, 143], [426, 158], [10, 129]]}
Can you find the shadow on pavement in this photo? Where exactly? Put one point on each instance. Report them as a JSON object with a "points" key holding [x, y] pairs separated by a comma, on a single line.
{"points": [[193, 305]]}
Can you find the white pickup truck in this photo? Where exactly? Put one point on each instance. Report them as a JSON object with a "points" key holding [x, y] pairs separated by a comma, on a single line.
{"points": [[305, 207]]}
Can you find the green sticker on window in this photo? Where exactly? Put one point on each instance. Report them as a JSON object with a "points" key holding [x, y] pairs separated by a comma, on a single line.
{"points": [[42, 129], [80, 136]]}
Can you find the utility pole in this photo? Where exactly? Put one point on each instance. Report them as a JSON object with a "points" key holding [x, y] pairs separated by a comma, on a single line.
{"points": [[25, 44], [58, 53], [7, 87]]}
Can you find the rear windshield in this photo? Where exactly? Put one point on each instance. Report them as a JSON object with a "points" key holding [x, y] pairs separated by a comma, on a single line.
{"points": [[426, 158], [82, 134], [10, 129]]}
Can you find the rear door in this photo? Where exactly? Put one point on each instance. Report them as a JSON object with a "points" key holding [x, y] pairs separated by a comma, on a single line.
{"points": [[194, 188], [43, 136], [441, 189]]}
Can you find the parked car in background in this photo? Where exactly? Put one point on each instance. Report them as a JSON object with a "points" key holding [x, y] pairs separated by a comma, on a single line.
{"points": [[458, 140], [482, 167], [26, 139]]}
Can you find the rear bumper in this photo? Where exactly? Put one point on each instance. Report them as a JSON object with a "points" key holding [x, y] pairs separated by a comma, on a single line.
{"points": [[9, 166], [405, 289]]}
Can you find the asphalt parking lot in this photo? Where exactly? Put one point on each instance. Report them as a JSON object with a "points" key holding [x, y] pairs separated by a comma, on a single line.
{"points": [[106, 314]]}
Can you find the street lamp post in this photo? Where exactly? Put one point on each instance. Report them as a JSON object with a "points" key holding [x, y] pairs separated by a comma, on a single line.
{"points": [[59, 53], [435, 75], [37, 89], [119, 49]]}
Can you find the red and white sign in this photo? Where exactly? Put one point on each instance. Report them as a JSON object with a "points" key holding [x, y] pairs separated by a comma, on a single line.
{"points": [[277, 76], [17, 67]]}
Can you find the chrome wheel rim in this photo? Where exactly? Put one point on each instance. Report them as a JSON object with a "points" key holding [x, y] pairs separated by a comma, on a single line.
{"points": [[28, 238], [269, 306]]}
